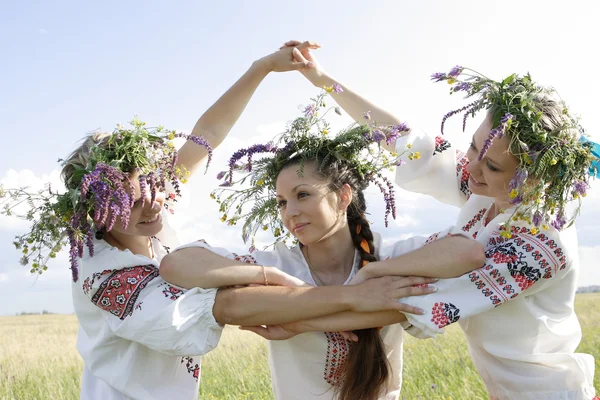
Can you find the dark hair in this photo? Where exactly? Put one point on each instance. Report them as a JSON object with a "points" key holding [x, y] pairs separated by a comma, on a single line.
{"points": [[366, 370]]}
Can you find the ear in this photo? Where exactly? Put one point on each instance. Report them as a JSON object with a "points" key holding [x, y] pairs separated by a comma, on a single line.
{"points": [[345, 197]]}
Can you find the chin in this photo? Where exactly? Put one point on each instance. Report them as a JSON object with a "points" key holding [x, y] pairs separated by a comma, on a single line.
{"points": [[478, 190], [151, 230]]}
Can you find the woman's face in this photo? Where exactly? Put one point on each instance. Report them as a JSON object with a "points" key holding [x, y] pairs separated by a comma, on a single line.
{"points": [[144, 220], [309, 209], [491, 175]]}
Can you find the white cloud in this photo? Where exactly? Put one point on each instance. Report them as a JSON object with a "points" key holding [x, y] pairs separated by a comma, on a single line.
{"points": [[589, 271], [3, 277]]}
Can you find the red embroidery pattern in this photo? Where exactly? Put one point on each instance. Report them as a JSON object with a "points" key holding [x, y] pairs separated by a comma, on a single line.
{"points": [[444, 314], [528, 258], [441, 145], [193, 368], [89, 281], [172, 292], [474, 221], [431, 238], [245, 258], [118, 293], [461, 173], [337, 353]]}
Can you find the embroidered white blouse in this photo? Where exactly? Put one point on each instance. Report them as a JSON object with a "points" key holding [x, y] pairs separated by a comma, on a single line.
{"points": [[517, 310], [305, 366], [139, 336]]}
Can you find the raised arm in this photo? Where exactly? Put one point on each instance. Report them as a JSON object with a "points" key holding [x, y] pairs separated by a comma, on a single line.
{"points": [[218, 120], [353, 103]]}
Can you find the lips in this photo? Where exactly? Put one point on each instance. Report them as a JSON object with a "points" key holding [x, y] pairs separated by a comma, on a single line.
{"points": [[475, 182], [152, 221], [299, 227]]}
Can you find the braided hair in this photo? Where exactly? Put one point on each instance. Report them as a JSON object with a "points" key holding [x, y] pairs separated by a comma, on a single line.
{"points": [[366, 370]]}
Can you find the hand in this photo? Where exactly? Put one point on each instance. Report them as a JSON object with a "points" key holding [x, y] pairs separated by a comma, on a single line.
{"points": [[381, 294], [349, 335], [271, 332], [277, 277], [287, 59], [361, 276], [315, 72]]}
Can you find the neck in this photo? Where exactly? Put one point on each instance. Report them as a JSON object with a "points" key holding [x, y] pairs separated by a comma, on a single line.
{"points": [[496, 207], [141, 245], [332, 258]]}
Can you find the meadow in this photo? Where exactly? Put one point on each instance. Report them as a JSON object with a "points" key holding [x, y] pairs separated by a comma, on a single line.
{"points": [[38, 360]]}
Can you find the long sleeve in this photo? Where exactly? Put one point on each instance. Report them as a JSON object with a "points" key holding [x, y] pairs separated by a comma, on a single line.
{"points": [[439, 171], [139, 306], [521, 265]]}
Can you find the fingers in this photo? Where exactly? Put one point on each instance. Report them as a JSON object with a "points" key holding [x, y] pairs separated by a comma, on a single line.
{"points": [[259, 330], [301, 61], [404, 281], [406, 309], [349, 335], [400, 293], [290, 43], [301, 45], [308, 45]]}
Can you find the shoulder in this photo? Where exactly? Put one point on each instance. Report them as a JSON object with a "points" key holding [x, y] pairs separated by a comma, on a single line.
{"points": [[108, 260]]}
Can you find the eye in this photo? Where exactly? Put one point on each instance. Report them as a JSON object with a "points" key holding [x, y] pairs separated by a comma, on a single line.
{"points": [[302, 194], [492, 168], [281, 203]]}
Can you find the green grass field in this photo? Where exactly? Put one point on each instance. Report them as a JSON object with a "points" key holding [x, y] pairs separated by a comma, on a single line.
{"points": [[38, 360]]}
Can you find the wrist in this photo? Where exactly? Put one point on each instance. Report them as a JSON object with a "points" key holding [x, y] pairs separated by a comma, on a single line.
{"points": [[351, 297], [319, 78], [261, 67], [269, 276], [368, 271]]}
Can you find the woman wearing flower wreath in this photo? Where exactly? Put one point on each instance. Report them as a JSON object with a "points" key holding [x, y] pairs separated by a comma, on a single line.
{"points": [[312, 184], [137, 332], [520, 187]]}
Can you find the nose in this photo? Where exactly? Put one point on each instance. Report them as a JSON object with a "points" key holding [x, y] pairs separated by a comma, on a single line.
{"points": [[474, 166], [291, 210], [157, 204]]}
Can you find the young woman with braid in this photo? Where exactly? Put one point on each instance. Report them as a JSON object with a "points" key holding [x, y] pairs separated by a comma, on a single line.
{"points": [[315, 185]]}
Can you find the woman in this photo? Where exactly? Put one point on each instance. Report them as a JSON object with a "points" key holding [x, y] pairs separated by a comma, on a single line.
{"points": [[525, 167], [138, 333], [312, 185]]}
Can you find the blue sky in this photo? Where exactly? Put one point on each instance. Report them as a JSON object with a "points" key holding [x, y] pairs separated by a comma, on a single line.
{"points": [[71, 67]]}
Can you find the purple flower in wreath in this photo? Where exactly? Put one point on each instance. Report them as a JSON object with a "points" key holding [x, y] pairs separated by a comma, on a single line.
{"points": [[456, 71], [438, 76], [310, 110]]}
